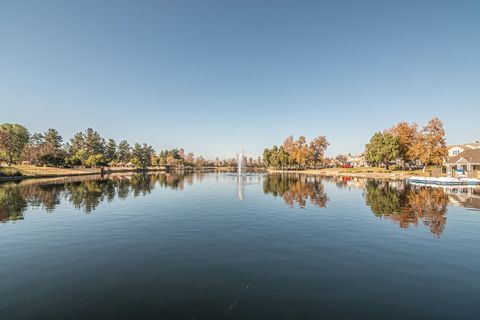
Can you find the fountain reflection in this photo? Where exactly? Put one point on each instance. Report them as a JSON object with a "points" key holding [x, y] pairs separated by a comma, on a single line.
{"points": [[404, 204], [241, 187], [296, 189]]}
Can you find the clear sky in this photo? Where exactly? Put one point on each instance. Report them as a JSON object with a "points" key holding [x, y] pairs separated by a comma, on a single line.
{"points": [[216, 77]]}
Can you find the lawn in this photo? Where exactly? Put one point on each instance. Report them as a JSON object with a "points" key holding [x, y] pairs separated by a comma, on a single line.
{"points": [[33, 171]]}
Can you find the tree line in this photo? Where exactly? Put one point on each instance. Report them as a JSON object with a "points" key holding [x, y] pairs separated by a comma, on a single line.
{"points": [[404, 143], [87, 149], [407, 144], [297, 154]]}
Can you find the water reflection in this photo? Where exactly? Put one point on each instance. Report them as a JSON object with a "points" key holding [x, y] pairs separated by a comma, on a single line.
{"points": [[85, 193], [241, 188], [296, 189], [407, 205], [404, 204], [12, 203], [467, 197]]}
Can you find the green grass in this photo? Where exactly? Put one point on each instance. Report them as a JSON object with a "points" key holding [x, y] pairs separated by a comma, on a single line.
{"points": [[382, 170], [368, 171]]}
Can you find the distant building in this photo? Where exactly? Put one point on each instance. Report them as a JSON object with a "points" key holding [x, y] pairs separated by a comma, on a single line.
{"points": [[455, 150], [467, 160], [356, 161]]}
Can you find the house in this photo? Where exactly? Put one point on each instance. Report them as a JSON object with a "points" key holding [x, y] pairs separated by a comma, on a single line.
{"points": [[468, 161], [356, 161], [455, 150]]}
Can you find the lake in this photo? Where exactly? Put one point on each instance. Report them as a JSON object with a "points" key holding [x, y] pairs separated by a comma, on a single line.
{"points": [[219, 246]]}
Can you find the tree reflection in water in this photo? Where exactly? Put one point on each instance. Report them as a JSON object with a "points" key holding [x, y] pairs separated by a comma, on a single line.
{"points": [[407, 205], [84, 193], [296, 189], [12, 203], [397, 201]]}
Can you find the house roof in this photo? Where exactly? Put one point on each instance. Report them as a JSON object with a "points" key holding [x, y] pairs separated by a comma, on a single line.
{"points": [[471, 145], [470, 156]]}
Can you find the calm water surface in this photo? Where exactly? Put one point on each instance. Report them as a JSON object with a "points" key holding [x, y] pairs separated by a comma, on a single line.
{"points": [[213, 246]]}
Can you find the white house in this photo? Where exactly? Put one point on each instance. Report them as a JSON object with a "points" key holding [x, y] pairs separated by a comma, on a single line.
{"points": [[356, 161]]}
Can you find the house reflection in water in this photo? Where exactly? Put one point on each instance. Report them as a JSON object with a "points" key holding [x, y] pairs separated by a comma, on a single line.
{"points": [[464, 197], [404, 204]]}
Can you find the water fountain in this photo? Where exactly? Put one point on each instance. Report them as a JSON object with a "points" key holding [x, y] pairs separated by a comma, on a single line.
{"points": [[240, 164]]}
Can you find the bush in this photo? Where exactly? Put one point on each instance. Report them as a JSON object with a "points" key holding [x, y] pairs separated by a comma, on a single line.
{"points": [[96, 160]]}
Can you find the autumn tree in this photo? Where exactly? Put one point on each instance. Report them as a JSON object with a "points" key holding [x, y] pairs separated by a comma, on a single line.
{"points": [[430, 147], [189, 159], [33, 150], [341, 159], [300, 152], [289, 146], [407, 136], [200, 161], [317, 150], [297, 153]]}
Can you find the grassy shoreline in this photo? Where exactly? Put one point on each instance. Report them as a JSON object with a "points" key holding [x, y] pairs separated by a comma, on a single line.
{"points": [[374, 173], [22, 172]]}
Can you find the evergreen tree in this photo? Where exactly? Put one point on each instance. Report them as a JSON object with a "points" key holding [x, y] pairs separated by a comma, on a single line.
{"points": [[124, 153], [94, 143], [52, 152], [110, 151]]}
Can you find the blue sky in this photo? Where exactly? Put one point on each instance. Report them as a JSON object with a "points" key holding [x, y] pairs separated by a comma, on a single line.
{"points": [[216, 77]]}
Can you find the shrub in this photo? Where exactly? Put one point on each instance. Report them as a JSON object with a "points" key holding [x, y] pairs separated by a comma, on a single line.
{"points": [[396, 167], [96, 160]]}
